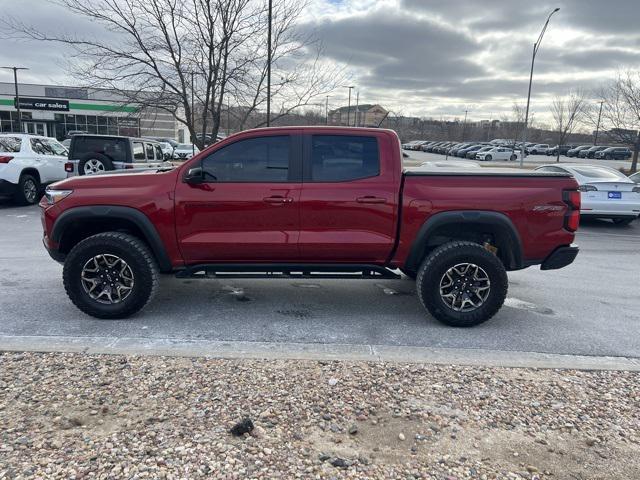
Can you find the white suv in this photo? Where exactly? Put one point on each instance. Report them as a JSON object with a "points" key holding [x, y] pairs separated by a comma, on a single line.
{"points": [[27, 164]]}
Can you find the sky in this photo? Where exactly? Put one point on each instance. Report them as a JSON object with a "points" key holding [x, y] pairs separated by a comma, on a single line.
{"points": [[428, 58]]}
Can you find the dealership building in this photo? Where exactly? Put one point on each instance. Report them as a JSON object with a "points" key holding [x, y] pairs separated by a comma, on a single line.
{"points": [[57, 111]]}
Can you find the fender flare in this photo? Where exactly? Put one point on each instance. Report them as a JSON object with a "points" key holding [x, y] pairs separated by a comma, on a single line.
{"points": [[496, 221], [107, 212]]}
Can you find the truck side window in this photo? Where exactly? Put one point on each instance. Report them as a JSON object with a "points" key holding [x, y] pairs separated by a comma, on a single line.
{"points": [[150, 151], [138, 151], [339, 158], [263, 159]]}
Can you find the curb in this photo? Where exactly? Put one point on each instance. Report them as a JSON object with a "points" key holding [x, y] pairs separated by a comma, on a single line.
{"points": [[312, 351]]}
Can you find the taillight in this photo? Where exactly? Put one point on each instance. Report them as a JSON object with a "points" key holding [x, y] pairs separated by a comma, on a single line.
{"points": [[68, 167], [572, 217], [5, 158]]}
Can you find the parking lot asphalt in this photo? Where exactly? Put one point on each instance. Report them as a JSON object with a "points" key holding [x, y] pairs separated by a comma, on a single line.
{"points": [[589, 308]]}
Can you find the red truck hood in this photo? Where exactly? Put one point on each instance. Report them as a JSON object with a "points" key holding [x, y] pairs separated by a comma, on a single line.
{"points": [[121, 178]]}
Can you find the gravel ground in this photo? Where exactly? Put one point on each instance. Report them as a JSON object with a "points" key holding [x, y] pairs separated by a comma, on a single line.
{"points": [[81, 416]]}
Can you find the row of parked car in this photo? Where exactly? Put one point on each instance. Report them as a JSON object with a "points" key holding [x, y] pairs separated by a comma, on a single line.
{"points": [[483, 151], [28, 163], [473, 150]]}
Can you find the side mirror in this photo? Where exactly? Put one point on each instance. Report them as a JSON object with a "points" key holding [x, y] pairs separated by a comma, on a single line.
{"points": [[194, 176]]}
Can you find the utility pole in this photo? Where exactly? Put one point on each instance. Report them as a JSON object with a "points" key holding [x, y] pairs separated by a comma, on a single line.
{"points": [[15, 82], [355, 120], [536, 46], [595, 140], [464, 125], [349, 107], [269, 65], [326, 110], [193, 118]]}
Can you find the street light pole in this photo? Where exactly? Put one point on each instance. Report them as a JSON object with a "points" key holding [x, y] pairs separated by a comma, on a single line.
{"points": [[355, 116], [326, 111], [15, 82], [349, 106], [269, 65], [536, 46], [595, 140], [464, 125], [193, 118]]}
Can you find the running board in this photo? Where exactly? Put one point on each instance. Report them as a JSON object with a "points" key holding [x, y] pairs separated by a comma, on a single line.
{"points": [[287, 270]]}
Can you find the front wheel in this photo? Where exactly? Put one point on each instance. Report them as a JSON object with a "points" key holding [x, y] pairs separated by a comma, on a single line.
{"points": [[110, 275], [513, 158], [28, 190], [488, 158], [462, 284]]}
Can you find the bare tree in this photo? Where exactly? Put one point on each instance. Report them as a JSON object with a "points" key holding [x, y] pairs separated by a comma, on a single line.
{"points": [[567, 112], [620, 120], [191, 58]]}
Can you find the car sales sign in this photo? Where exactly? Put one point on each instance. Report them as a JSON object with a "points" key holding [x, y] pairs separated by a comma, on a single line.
{"points": [[43, 104]]}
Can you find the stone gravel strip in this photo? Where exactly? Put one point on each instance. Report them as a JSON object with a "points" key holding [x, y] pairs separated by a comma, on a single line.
{"points": [[76, 416]]}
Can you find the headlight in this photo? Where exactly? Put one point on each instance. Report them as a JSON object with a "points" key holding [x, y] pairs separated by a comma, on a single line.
{"points": [[54, 196]]}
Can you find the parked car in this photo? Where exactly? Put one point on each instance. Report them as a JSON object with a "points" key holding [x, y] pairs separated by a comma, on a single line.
{"points": [[614, 153], [167, 150], [486, 148], [538, 149], [462, 152], [91, 154], [409, 145], [343, 206], [606, 193], [454, 149], [471, 152], [426, 145], [573, 152], [590, 152], [27, 164], [185, 151], [498, 153], [553, 151]]}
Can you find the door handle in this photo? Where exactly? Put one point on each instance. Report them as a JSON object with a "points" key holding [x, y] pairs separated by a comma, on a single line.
{"points": [[277, 199], [371, 199]]}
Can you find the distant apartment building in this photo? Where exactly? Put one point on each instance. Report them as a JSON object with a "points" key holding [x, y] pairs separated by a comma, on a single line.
{"points": [[365, 115]]}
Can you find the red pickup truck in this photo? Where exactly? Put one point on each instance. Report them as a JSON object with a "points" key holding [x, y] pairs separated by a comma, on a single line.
{"points": [[309, 202]]}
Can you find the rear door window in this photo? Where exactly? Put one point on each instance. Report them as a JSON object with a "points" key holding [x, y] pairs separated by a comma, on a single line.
{"points": [[150, 152], [138, 151], [114, 148], [341, 158], [10, 144]]}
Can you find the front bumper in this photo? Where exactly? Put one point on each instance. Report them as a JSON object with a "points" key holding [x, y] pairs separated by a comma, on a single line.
{"points": [[560, 257], [7, 189]]}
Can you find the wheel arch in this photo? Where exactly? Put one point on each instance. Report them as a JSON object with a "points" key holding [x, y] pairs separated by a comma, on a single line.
{"points": [[31, 171], [472, 225], [76, 224]]}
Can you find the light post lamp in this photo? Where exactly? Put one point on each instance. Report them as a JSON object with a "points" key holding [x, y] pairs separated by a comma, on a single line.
{"points": [[536, 46], [15, 82]]}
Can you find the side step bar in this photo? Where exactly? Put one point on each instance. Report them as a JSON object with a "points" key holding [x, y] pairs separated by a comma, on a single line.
{"points": [[287, 270]]}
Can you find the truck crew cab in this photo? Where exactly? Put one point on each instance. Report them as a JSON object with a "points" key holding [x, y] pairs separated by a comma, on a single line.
{"points": [[309, 202]]}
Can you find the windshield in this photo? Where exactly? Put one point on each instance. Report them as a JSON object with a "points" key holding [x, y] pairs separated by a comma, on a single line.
{"points": [[10, 144]]}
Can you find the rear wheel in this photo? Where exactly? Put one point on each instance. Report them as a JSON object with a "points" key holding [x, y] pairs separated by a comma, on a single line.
{"points": [[488, 158], [513, 158], [28, 190], [110, 275], [623, 221], [462, 284]]}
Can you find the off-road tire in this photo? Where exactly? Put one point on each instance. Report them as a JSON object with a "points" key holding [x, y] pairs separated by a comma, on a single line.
{"points": [[129, 248], [21, 195], [443, 258]]}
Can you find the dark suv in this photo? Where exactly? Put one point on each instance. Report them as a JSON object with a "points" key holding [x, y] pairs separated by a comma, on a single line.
{"points": [[614, 153], [89, 154]]}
